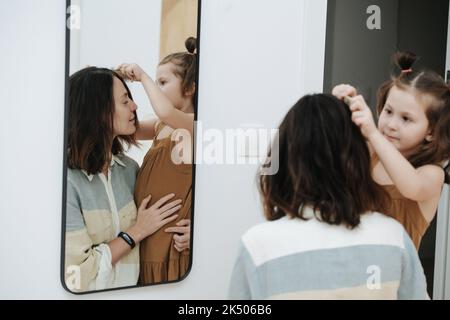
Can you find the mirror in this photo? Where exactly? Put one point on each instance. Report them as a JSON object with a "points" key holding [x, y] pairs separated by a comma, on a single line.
{"points": [[362, 36], [131, 92]]}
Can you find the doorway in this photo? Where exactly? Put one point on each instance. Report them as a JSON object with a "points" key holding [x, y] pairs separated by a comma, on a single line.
{"points": [[359, 50]]}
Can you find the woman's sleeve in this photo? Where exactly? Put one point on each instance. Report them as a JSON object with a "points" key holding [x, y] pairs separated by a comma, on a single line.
{"points": [[413, 285], [87, 266], [242, 276]]}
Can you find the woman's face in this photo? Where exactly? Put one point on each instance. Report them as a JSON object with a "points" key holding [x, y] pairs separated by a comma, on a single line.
{"points": [[124, 111]]}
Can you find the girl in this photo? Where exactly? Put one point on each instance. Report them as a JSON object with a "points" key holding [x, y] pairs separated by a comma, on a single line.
{"points": [[412, 141], [165, 257], [103, 225], [324, 240]]}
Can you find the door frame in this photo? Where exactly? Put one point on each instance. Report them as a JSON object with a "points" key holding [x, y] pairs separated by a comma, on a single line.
{"points": [[441, 290]]}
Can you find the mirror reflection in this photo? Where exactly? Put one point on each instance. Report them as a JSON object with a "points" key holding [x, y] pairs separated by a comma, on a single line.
{"points": [[130, 116]]}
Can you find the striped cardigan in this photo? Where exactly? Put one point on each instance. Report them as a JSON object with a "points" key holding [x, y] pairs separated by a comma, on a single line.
{"points": [[97, 209], [296, 259]]}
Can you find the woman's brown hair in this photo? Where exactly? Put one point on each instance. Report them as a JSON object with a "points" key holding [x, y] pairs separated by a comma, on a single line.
{"points": [[432, 91], [91, 114], [324, 163]]}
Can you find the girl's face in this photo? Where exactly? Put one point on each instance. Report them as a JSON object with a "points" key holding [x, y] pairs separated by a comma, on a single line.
{"points": [[170, 84], [124, 111], [403, 121]]}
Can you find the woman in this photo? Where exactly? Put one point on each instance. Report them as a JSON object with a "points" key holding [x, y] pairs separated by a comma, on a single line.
{"points": [[103, 225], [324, 239]]}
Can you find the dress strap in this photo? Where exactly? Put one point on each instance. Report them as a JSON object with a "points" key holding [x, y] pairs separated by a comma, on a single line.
{"points": [[158, 127]]}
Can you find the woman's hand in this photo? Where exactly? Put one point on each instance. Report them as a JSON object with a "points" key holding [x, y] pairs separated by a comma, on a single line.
{"points": [[131, 71], [183, 235], [362, 116], [344, 90], [150, 220]]}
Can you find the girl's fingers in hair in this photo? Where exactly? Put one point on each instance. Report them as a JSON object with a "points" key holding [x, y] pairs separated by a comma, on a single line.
{"points": [[126, 70], [344, 90], [335, 92], [339, 91], [354, 104], [347, 100], [358, 114], [357, 105], [361, 102], [123, 68], [359, 121], [351, 91], [129, 74], [348, 91]]}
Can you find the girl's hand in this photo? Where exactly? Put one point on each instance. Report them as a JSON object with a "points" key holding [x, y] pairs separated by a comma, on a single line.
{"points": [[362, 116], [131, 71], [183, 235], [344, 90], [150, 220]]}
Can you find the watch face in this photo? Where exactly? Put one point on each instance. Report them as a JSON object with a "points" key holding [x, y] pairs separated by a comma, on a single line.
{"points": [[128, 239], [118, 154]]}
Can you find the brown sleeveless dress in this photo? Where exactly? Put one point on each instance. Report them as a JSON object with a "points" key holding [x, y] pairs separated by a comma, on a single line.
{"points": [[405, 211], [159, 176]]}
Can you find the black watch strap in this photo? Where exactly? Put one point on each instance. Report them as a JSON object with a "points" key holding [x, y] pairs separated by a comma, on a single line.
{"points": [[128, 239]]}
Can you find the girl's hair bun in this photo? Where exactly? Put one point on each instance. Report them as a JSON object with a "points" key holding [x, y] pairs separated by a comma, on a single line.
{"points": [[191, 44], [405, 60]]}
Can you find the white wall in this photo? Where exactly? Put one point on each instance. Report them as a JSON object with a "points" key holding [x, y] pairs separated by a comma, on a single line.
{"points": [[107, 38], [257, 58]]}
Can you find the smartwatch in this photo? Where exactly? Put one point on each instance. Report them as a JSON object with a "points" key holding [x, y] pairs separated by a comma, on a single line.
{"points": [[128, 239]]}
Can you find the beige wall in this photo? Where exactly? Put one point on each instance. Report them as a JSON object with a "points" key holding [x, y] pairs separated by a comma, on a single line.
{"points": [[178, 22]]}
